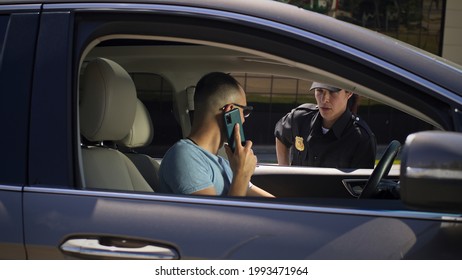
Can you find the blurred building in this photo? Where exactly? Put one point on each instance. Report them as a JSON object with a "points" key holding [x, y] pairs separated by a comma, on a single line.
{"points": [[452, 42], [432, 25]]}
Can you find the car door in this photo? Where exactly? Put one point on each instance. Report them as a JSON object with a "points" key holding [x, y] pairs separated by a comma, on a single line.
{"points": [[64, 220], [18, 31]]}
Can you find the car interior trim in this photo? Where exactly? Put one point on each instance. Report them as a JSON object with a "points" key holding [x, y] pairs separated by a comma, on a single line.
{"points": [[265, 169], [436, 216]]}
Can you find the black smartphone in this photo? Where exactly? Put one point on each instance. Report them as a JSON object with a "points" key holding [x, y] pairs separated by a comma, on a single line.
{"points": [[231, 118]]}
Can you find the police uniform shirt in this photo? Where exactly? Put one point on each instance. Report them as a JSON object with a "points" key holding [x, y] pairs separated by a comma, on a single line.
{"points": [[348, 144]]}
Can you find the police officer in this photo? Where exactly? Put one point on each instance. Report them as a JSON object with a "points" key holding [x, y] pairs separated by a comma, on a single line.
{"points": [[326, 134]]}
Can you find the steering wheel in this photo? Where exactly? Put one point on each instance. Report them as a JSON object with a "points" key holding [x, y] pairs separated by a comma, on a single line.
{"points": [[382, 168]]}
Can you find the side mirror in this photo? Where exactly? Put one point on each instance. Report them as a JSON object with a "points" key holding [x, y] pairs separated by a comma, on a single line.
{"points": [[431, 171]]}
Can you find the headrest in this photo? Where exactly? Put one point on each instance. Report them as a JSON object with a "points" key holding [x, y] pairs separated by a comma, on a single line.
{"points": [[107, 101], [142, 131], [190, 95]]}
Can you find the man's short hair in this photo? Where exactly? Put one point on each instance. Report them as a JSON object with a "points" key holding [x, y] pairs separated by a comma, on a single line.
{"points": [[215, 89]]}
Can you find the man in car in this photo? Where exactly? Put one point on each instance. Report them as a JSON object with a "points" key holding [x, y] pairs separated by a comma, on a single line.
{"points": [[192, 165], [326, 134]]}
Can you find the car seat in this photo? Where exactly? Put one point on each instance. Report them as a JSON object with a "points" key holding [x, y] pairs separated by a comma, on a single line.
{"points": [[107, 107], [141, 135]]}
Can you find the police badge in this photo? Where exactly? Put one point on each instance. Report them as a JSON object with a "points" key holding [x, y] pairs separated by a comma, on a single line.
{"points": [[299, 143]]}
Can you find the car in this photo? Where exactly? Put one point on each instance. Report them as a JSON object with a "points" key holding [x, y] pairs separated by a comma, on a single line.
{"points": [[63, 196]]}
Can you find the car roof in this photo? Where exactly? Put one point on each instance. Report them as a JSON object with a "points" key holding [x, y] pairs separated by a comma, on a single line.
{"points": [[442, 72]]}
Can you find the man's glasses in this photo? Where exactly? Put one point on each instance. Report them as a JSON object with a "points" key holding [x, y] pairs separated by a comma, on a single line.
{"points": [[245, 109]]}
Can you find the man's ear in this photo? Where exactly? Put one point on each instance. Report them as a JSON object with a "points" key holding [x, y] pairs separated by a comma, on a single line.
{"points": [[349, 93]]}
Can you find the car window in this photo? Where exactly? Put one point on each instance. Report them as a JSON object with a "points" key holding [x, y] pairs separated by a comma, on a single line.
{"points": [[272, 96], [163, 68]]}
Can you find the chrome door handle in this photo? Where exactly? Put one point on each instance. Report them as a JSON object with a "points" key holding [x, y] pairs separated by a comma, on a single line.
{"points": [[93, 247]]}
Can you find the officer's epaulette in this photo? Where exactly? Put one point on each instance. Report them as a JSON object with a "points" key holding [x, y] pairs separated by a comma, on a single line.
{"points": [[359, 122]]}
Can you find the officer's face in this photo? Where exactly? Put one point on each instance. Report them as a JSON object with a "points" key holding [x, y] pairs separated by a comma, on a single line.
{"points": [[331, 104]]}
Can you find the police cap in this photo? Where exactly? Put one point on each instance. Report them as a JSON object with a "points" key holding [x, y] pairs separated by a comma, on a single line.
{"points": [[326, 86]]}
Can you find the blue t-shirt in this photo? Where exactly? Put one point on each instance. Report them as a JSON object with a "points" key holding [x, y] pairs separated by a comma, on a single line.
{"points": [[187, 168]]}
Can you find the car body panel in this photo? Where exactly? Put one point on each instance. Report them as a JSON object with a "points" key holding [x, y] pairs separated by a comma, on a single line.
{"points": [[11, 235], [48, 205], [227, 229]]}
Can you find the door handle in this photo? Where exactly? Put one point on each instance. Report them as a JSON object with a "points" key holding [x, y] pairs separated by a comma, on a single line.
{"points": [[110, 248]]}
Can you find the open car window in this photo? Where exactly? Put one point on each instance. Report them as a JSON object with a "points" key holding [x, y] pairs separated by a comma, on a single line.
{"points": [[276, 65], [163, 80], [165, 73]]}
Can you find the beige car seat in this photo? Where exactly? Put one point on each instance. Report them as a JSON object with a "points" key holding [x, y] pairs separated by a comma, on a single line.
{"points": [[141, 135], [107, 108]]}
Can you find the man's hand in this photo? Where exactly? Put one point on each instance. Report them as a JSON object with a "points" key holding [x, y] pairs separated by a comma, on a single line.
{"points": [[243, 163]]}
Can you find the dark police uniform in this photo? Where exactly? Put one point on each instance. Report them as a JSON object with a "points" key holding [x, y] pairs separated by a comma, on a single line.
{"points": [[348, 144]]}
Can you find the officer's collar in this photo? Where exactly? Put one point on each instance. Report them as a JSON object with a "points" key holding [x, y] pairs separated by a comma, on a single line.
{"points": [[340, 125]]}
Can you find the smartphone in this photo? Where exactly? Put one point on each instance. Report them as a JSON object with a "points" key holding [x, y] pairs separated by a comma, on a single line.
{"points": [[231, 118]]}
